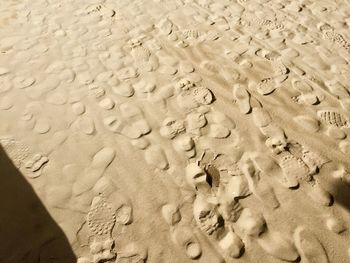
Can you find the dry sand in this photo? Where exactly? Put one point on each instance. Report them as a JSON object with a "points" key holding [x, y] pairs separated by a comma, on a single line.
{"points": [[172, 131]]}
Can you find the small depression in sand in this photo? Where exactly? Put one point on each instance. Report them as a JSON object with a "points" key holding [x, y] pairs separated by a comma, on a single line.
{"points": [[173, 131]]}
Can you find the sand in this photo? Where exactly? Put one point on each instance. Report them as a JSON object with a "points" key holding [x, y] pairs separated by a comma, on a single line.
{"points": [[173, 131]]}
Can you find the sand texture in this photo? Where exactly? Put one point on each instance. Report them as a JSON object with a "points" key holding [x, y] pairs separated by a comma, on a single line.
{"points": [[174, 131]]}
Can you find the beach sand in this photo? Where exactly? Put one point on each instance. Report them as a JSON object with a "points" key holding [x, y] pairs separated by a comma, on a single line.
{"points": [[173, 131]]}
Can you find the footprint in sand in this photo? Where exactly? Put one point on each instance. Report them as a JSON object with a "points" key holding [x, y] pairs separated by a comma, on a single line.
{"points": [[32, 118], [124, 214], [35, 165], [280, 69], [221, 119], [40, 88], [335, 224], [101, 160], [16, 149], [78, 108], [101, 217], [107, 103], [57, 98], [344, 147], [138, 51], [186, 67], [167, 70], [207, 216], [251, 223], [202, 95], [100, 220], [333, 118], [165, 26], [131, 124], [156, 157], [4, 71], [273, 243], [232, 245], [332, 36], [308, 123], [337, 89], [32, 163], [210, 68], [124, 89], [261, 189], [336, 133], [299, 165], [6, 83], [196, 177], [171, 127], [185, 145], [218, 131], [86, 125], [144, 88], [102, 250], [190, 34], [132, 252], [276, 139], [181, 235], [307, 92], [127, 73], [135, 118], [185, 238], [293, 169], [261, 117], [42, 125], [159, 71], [242, 97], [23, 81], [104, 186], [212, 35], [171, 214], [6, 103], [317, 193], [58, 196], [278, 245], [182, 44], [96, 91], [309, 247], [266, 86], [141, 143]]}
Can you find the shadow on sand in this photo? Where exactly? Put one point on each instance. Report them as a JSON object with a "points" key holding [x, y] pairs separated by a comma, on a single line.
{"points": [[28, 234], [341, 194]]}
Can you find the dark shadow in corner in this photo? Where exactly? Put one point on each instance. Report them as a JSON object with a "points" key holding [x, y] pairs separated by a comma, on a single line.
{"points": [[28, 234], [341, 194]]}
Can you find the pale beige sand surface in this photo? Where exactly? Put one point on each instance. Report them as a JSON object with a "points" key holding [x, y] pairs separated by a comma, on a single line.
{"points": [[173, 131]]}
